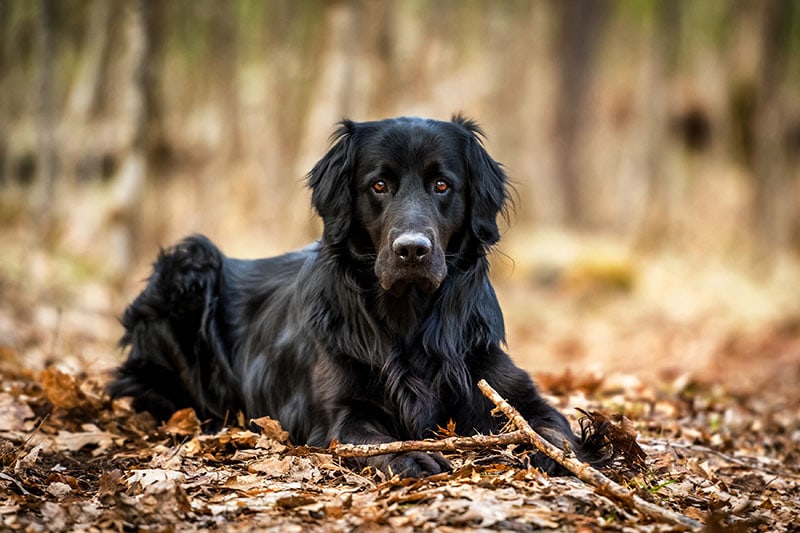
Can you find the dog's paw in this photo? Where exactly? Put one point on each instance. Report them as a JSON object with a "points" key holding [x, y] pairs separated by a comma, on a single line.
{"points": [[418, 464], [546, 465]]}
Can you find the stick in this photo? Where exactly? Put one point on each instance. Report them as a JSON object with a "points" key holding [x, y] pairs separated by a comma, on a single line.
{"points": [[14, 481], [444, 445], [583, 471]]}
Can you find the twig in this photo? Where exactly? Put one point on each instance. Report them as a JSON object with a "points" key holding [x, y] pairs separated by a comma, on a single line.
{"points": [[583, 471], [444, 445], [5, 476], [35, 429], [21, 447]]}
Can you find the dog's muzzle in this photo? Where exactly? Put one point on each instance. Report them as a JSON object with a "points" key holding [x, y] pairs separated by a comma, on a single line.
{"points": [[410, 258]]}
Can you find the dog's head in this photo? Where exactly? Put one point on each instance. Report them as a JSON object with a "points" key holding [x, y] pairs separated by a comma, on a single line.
{"points": [[410, 194]]}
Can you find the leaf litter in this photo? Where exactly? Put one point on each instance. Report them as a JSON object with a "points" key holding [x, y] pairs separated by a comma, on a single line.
{"points": [[720, 445], [72, 459]]}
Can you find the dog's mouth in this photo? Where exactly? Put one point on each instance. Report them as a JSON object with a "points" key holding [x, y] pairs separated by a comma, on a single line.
{"points": [[399, 285], [411, 259]]}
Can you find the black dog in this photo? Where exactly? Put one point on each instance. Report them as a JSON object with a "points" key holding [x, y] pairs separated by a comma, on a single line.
{"points": [[378, 332]]}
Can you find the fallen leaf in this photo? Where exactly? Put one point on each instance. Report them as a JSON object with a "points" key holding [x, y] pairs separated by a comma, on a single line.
{"points": [[289, 502], [91, 436], [290, 467], [62, 390], [109, 483], [58, 489], [448, 431], [183, 422], [29, 459], [54, 516], [146, 477], [271, 428], [245, 482], [13, 413], [271, 465], [8, 509]]}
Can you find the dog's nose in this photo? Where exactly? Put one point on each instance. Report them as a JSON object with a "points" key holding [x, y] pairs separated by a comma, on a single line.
{"points": [[412, 247]]}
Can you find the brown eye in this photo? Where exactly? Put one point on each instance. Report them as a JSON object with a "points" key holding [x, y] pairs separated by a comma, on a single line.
{"points": [[440, 186], [379, 186]]}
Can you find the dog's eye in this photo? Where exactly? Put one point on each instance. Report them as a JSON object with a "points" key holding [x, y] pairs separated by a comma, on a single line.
{"points": [[379, 186], [441, 186]]}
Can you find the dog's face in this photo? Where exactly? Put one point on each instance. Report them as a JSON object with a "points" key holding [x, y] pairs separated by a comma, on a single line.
{"points": [[410, 198], [409, 193]]}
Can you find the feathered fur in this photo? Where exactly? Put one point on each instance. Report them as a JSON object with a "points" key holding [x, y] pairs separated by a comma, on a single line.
{"points": [[315, 339]]}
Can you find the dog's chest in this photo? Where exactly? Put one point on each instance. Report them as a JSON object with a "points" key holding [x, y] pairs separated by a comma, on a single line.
{"points": [[411, 390]]}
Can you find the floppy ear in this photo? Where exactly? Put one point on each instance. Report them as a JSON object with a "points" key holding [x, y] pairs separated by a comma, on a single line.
{"points": [[487, 185], [330, 182]]}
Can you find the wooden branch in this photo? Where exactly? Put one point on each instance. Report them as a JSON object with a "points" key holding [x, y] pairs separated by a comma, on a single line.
{"points": [[443, 445], [583, 471]]}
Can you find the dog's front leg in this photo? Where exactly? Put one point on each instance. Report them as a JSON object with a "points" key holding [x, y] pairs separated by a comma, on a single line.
{"points": [[353, 427], [352, 412], [516, 386]]}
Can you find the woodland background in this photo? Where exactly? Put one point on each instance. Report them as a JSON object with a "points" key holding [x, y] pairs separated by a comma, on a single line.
{"points": [[654, 147]]}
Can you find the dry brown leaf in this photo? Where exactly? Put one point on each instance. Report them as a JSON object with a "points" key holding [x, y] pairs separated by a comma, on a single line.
{"points": [[568, 382], [183, 422], [167, 501], [244, 482], [290, 502], [109, 483], [449, 431], [236, 437], [90, 436], [58, 489], [617, 437], [62, 390], [147, 477], [271, 428], [290, 467], [274, 466], [13, 413]]}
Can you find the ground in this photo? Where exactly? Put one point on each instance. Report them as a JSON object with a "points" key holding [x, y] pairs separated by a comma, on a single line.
{"points": [[714, 403]]}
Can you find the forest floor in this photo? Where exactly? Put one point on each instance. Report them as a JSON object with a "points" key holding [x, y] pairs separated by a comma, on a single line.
{"points": [[715, 403]]}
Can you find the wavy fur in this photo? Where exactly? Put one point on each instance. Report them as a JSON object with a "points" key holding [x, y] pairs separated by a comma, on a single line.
{"points": [[312, 339]]}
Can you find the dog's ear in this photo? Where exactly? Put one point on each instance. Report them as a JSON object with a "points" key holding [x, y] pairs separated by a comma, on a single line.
{"points": [[487, 184], [330, 182]]}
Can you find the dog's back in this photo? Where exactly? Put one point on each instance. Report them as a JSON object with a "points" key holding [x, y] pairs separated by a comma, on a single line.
{"points": [[183, 329]]}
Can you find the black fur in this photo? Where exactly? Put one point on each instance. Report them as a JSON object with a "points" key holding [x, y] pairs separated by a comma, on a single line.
{"points": [[378, 332]]}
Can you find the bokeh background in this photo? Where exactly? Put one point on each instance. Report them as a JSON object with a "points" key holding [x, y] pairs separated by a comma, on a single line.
{"points": [[654, 147]]}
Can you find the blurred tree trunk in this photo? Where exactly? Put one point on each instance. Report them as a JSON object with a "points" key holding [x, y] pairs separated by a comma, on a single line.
{"points": [[130, 181], [333, 96], [582, 22], [291, 53], [45, 118], [286, 56], [771, 207], [225, 68], [155, 138], [79, 150], [5, 29], [654, 211], [84, 91]]}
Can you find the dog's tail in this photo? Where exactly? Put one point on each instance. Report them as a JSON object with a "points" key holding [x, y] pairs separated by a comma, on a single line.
{"points": [[176, 356]]}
